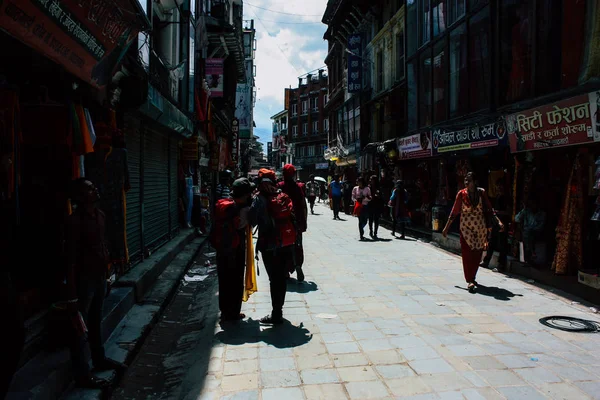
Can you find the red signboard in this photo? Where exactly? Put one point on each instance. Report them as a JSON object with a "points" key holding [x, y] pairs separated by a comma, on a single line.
{"points": [[87, 37], [565, 123], [415, 146]]}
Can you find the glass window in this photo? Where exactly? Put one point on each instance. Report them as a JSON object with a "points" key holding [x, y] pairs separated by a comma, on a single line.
{"points": [[548, 70], [425, 71], [479, 60], [400, 56], [424, 21], [439, 10], [458, 82], [516, 40], [440, 68], [411, 27], [411, 81], [456, 10]]}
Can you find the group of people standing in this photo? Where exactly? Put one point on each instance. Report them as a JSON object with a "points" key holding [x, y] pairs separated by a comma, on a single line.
{"points": [[279, 211], [370, 204]]}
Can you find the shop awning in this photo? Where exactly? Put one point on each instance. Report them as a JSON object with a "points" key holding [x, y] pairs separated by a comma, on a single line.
{"points": [[346, 161]]}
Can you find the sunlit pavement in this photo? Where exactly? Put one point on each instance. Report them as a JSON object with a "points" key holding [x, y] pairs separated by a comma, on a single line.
{"points": [[382, 320]]}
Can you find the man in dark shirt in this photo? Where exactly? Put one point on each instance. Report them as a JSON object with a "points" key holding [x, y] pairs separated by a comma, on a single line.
{"points": [[88, 261], [499, 240]]}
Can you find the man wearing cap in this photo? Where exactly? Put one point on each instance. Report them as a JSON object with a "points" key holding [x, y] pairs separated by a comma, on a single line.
{"points": [[275, 256], [296, 192], [229, 239]]}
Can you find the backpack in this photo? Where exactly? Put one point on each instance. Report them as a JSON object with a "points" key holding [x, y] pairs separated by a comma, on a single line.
{"points": [[223, 235], [280, 208]]}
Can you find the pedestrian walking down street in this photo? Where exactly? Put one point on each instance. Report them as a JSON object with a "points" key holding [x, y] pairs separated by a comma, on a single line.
{"points": [[398, 204], [88, 261], [297, 192], [476, 216], [376, 207], [229, 237], [361, 195], [335, 191], [273, 212], [312, 191], [499, 240]]}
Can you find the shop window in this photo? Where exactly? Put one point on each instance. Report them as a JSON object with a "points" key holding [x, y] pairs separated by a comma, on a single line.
{"points": [[473, 4], [400, 56], [456, 10], [425, 71], [411, 27], [424, 15], [548, 68], [411, 82], [516, 43], [440, 65], [440, 12], [458, 82], [479, 60]]}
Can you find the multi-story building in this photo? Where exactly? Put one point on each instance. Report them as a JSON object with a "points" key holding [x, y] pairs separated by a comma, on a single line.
{"points": [[281, 152], [496, 87], [308, 122]]}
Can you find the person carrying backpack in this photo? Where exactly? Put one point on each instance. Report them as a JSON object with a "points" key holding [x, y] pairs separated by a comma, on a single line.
{"points": [[228, 237], [297, 192], [273, 212]]}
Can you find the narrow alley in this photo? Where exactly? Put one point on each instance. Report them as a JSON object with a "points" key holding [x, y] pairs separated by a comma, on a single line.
{"points": [[375, 320]]}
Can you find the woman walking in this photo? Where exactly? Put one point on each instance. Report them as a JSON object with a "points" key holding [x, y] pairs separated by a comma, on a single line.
{"points": [[375, 207], [399, 208], [361, 194], [476, 216]]}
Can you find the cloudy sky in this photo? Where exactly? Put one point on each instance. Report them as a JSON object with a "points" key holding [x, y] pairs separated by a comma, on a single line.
{"points": [[287, 46]]}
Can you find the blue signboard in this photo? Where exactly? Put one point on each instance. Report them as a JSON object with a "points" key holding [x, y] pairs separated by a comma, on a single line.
{"points": [[354, 63]]}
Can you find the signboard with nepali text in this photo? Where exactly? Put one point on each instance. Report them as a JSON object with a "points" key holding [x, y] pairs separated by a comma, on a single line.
{"points": [[564, 123], [87, 37], [470, 138], [354, 63], [415, 146]]}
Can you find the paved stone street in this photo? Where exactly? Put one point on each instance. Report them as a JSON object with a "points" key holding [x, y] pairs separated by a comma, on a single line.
{"points": [[379, 320]]}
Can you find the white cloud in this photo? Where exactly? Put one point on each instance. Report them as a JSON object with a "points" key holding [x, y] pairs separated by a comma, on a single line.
{"points": [[284, 51]]}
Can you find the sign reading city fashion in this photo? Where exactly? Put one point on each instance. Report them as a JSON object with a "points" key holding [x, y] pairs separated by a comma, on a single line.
{"points": [[565, 123], [87, 37], [473, 137], [354, 63], [415, 146], [214, 76]]}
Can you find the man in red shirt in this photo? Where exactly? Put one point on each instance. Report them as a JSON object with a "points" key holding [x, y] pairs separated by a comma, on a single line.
{"points": [[296, 192]]}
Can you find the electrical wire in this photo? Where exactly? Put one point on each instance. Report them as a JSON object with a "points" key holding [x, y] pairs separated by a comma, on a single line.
{"points": [[279, 47], [292, 23], [282, 12]]}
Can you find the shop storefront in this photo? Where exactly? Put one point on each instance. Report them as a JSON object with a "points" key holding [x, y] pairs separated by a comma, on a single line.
{"points": [[562, 180]]}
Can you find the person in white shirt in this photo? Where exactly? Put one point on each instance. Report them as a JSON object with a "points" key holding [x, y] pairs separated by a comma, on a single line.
{"points": [[361, 194]]}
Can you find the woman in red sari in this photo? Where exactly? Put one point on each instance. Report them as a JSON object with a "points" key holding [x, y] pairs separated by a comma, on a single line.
{"points": [[475, 209]]}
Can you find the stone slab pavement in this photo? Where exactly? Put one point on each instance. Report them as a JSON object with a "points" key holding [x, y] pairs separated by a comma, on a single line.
{"points": [[385, 320]]}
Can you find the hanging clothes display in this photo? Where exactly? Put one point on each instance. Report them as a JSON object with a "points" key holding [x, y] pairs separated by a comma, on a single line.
{"points": [[569, 250]]}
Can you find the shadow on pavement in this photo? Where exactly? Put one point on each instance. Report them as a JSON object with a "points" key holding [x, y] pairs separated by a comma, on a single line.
{"points": [[493, 291], [383, 240], [293, 286], [282, 336], [406, 239]]}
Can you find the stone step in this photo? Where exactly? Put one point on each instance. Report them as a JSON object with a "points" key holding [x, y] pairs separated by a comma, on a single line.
{"points": [[47, 374]]}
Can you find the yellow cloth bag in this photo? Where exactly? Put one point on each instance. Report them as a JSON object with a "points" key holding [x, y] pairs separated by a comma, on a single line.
{"points": [[250, 285]]}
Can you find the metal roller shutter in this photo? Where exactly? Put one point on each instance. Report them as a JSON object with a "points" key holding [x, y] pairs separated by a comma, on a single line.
{"points": [[173, 206], [134, 213], [156, 188]]}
